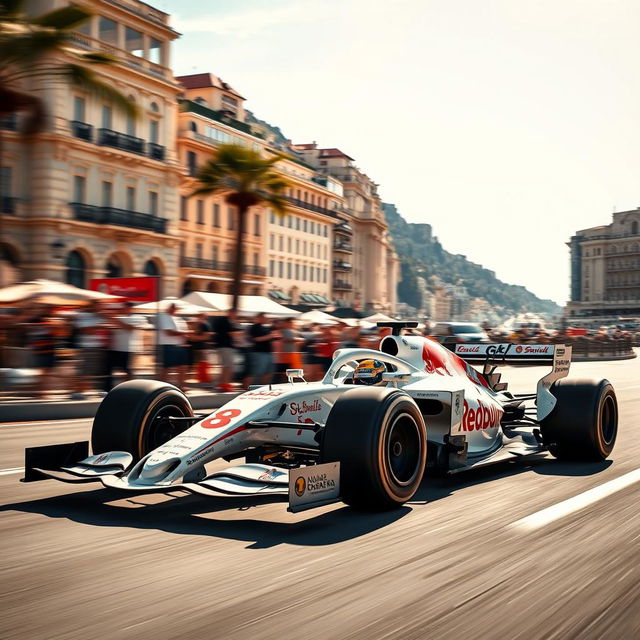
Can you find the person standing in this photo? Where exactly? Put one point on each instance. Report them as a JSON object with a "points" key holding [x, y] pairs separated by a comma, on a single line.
{"points": [[225, 334], [261, 337], [198, 341], [290, 344], [125, 342], [91, 333], [41, 340], [172, 338]]}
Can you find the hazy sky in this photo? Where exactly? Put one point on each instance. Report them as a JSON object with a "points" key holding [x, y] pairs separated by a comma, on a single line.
{"points": [[506, 124]]}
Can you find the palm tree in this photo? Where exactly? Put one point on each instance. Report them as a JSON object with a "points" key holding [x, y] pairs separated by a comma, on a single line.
{"points": [[246, 179]]}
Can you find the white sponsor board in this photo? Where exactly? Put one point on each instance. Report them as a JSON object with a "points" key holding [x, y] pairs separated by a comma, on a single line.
{"points": [[314, 486], [505, 349], [546, 401]]}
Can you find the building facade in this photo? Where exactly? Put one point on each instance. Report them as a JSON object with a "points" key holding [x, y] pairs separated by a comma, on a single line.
{"points": [[369, 281], [288, 257], [95, 194], [605, 269]]}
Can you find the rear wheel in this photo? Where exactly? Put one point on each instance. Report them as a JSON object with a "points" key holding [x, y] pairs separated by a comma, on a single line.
{"points": [[379, 437], [130, 418], [584, 423]]}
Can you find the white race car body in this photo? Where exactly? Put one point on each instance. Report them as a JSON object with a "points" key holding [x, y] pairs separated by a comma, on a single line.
{"points": [[463, 410]]}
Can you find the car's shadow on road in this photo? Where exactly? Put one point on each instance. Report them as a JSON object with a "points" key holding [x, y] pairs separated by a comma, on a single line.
{"points": [[193, 515], [436, 487], [186, 514]]}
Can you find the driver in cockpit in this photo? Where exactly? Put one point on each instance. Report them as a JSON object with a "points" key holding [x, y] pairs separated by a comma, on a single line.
{"points": [[369, 372]]}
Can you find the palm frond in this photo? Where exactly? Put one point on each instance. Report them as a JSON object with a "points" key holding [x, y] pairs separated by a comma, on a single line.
{"points": [[63, 19], [97, 57], [10, 9], [25, 48]]}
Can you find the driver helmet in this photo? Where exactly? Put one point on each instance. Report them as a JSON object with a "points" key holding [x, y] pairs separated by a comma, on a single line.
{"points": [[369, 372]]}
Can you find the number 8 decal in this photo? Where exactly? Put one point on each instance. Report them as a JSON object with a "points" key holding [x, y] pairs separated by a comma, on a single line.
{"points": [[220, 419]]}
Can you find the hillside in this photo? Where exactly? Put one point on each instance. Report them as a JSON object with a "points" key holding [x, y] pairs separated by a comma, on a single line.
{"points": [[421, 254]]}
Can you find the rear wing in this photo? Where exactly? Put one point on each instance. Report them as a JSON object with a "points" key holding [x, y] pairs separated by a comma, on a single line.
{"points": [[506, 353]]}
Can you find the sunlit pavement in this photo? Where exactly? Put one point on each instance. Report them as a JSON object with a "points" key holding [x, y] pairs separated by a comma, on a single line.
{"points": [[459, 561]]}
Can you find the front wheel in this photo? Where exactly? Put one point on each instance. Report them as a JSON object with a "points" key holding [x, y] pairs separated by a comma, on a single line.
{"points": [[584, 423], [130, 418], [379, 437]]}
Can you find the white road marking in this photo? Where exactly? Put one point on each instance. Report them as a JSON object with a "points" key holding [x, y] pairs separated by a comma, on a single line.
{"points": [[42, 423], [582, 500], [8, 472]]}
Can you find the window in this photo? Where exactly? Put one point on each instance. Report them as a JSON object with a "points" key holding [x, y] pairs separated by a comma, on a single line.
{"points": [[324, 275], [272, 241], [297, 246], [318, 274], [79, 188], [289, 221], [151, 268], [155, 51], [107, 194], [313, 227], [271, 268], [154, 107], [304, 272], [6, 182], [131, 198], [200, 211], [131, 126], [297, 271], [311, 274], [108, 31], [199, 251], [184, 212], [289, 270], [256, 259], [280, 243], [107, 117], [192, 163], [304, 226], [75, 272], [256, 224], [133, 42], [79, 106], [326, 228], [280, 269], [304, 247], [153, 131], [216, 214], [231, 218], [272, 217], [634, 227], [153, 203], [214, 255], [288, 245]]}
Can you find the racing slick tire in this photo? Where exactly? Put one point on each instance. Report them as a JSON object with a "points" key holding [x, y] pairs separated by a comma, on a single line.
{"points": [[126, 420], [584, 423], [379, 437]]}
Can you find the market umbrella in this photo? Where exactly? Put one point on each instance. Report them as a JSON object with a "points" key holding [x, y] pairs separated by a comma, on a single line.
{"points": [[318, 317], [51, 292], [379, 317]]}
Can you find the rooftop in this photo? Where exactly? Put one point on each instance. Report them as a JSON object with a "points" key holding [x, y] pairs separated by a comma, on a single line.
{"points": [[205, 80]]}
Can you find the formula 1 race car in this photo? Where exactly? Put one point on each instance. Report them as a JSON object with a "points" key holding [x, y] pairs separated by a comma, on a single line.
{"points": [[364, 434]]}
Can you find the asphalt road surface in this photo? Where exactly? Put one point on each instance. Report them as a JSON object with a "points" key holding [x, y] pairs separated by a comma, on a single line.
{"points": [[474, 556]]}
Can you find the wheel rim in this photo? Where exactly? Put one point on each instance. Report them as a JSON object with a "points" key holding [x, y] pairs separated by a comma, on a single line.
{"points": [[608, 420], [159, 431], [403, 450]]}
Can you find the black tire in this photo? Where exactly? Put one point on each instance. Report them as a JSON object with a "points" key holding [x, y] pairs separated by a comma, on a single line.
{"points": [[379, 437], [126, 418], [584, 423]]}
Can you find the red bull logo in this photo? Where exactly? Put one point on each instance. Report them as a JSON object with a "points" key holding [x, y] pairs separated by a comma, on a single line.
{"points": [[435, 357], [482, 417]]}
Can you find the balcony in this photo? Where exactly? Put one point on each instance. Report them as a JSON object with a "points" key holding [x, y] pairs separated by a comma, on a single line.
{"points": [[118, 217], [343, 227], [155, 151], [218, 265], [218, 116], [310, 207], [109, 138], [81, 130], [345, 247], [8, 205], [341, 265], [341, 285]]}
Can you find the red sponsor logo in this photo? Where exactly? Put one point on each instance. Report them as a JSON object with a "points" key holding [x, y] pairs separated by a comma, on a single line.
{"points": [[301, 409], [463, 349], [138, 289], [480, 418], [545, 349], [435, 358]]}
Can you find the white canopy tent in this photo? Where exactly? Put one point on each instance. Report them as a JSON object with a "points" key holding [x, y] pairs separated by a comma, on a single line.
{"points": [[319, 317], [50, 292], [249, 305], [379, 317], [183, 308]]}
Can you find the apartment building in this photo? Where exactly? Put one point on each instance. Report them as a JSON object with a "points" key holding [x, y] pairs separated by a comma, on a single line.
{"points": [[368, 281], [605, 269], [95, 194], [288, 257]]}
